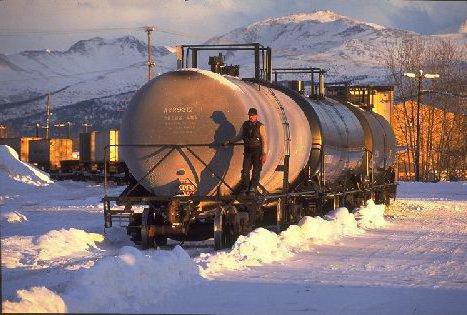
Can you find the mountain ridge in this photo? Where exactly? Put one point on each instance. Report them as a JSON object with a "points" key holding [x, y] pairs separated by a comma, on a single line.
{"points": [[349, 49]]}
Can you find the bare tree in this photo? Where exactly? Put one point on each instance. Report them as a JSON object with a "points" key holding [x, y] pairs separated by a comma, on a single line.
{"points": [[443, 136]]}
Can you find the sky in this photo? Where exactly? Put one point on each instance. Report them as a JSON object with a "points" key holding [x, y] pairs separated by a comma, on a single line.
{"points": [[57, 24]]}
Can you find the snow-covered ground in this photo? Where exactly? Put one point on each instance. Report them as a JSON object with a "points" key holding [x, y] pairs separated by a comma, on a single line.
{"points": [[56, 258]]}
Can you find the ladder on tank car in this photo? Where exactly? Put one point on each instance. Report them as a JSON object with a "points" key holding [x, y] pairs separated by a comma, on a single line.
{"points": [[285, 167]]}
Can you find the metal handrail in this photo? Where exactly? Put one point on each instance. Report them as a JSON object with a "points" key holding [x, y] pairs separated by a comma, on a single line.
{"points": [[320, 147], [172, 148], [315, 146], [369, 160]]}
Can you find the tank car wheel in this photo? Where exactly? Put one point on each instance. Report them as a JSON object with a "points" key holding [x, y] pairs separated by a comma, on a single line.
{"points": [[147, 240]]}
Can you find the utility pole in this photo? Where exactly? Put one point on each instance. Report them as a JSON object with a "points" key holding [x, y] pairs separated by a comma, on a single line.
{"points": [[47, 117], [69, 129], [419, 77], [151, 63]]}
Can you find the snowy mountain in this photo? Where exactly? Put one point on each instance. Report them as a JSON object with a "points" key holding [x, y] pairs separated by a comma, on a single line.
{"points": [[349, 49], [88, 70], [95, 75]]}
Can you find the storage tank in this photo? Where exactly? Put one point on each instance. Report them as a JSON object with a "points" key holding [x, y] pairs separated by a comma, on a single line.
{"points": [[193, 106]]}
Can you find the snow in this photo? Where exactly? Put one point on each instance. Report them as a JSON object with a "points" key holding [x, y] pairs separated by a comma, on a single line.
{"points": [[324, 16], [13, 171], [371, 216], [133, 281], [175, 269], [36, 300], [92, 68], [359, 262], [262, 246], [40, 252], [14, 216], [433, 191], [66, 243]]}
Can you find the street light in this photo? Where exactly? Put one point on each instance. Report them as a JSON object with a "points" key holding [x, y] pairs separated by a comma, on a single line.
{"points": [[66, 124], [86, 125], [419, 76]]}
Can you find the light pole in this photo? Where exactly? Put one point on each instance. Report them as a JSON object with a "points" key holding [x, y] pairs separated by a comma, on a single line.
{"points": [[67, 124], [48, 113], [419, 76], [86, 125]]}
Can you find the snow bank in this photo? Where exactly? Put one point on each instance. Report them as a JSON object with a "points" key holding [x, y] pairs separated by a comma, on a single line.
{"points": [[371, 216], [14, 173], [14, 216], [262, 246], [66, 243], [136, 281], [54, 248], [132, 281], [35, 300]]}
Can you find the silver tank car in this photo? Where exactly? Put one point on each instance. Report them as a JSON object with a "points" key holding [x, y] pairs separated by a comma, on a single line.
{"points": [[193, 106]]}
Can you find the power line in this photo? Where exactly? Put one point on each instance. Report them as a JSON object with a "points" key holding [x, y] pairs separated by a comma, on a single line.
{"points": [[35, 32], [12, 32]]}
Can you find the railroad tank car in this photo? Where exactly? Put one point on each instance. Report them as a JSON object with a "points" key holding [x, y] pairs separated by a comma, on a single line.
{"points": [[197, 106], [321, 154]]}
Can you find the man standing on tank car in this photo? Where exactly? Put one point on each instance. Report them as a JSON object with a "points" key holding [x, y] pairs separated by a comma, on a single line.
{"points": [[255, 146]]}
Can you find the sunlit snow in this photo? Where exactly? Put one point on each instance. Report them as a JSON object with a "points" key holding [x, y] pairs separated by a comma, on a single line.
{"points": [[57, 258]]}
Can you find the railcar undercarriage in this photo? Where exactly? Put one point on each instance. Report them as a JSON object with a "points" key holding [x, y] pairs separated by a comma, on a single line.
{"points": [[225, 218]]}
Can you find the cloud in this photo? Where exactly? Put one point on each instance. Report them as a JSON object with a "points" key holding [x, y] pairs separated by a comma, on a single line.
{"points": [[200, 19]]}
